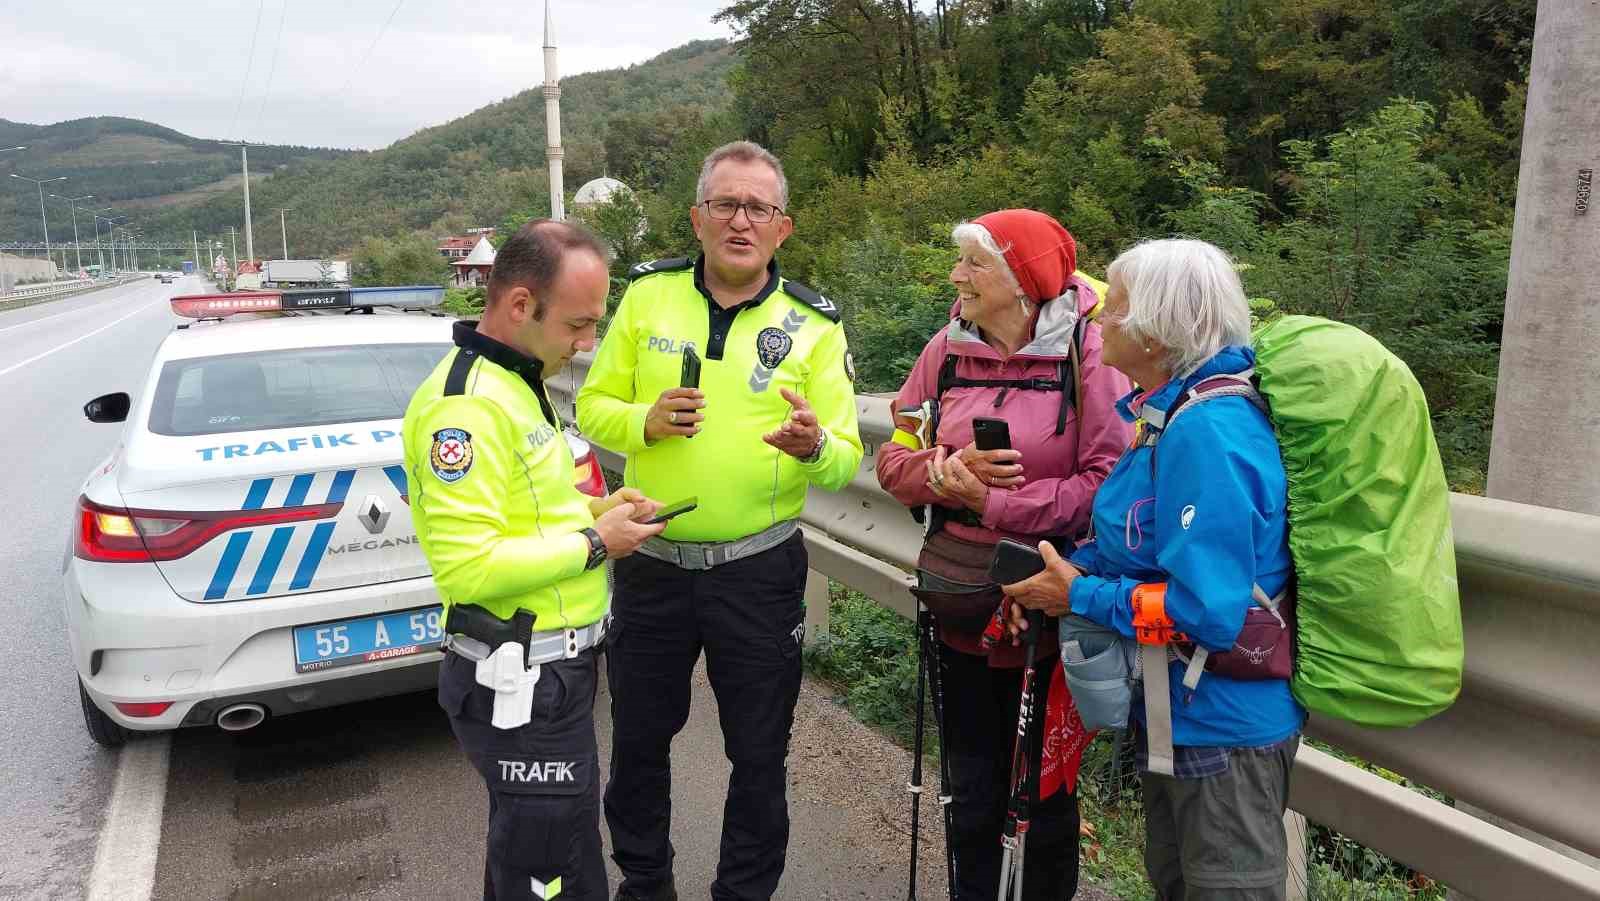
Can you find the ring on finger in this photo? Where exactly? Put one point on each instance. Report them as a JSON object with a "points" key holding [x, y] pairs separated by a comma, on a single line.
{"points": [[672, 417]]}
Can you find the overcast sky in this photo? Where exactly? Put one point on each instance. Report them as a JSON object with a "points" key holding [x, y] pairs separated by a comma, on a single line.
{"points": [[188, 65]]}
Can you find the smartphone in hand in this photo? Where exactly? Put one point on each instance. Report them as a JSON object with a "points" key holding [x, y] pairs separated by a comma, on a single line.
{"points": [[691, 368], [990, 434], [674, 509], [1014, 562]]}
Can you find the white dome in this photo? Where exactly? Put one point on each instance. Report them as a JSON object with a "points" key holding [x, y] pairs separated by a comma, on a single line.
{"points": [[598, 191]]}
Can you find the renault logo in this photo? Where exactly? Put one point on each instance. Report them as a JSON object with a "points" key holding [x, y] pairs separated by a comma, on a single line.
{"points": [[374, 515]]}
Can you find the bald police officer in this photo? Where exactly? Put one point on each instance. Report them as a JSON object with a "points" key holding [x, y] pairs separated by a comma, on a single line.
{"points": [[775, 412], [517, 554]]}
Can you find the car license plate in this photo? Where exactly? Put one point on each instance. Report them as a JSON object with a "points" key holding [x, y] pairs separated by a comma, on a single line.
{"points": [[367, 639]]}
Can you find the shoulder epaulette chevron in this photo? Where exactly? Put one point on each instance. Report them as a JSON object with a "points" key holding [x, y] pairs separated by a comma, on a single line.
{"points": [[673, 264], [812, 299]]}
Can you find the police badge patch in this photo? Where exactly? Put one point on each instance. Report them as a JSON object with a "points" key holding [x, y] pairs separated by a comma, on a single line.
{"points": [[849, 366], [772, 345], [451, 456]]}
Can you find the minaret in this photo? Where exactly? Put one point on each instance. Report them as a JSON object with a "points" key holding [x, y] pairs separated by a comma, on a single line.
{"points": [[552, 119]]}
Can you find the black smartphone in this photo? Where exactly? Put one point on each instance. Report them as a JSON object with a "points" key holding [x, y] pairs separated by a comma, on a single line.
{"points": [[990, 434], [1014, 561], [675, 509], [691, 368]]}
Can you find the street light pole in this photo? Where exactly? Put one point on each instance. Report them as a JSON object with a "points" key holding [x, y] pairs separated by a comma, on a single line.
{"points": [[72, 204], [112, 221], [285, 229], [233, 234], [249, 228], [99, 248], [40, 183]]}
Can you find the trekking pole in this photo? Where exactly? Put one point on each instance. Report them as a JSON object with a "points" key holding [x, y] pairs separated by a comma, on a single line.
{"points": [[1024, 775], [915, 787], [930, 638]]}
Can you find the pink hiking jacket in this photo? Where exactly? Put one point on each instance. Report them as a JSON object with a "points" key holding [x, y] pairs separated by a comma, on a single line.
{"points": [[1062, 471]]}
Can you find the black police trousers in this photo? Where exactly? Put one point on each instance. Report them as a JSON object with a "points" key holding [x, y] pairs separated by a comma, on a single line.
{"points": [[543, 780], [749, 618], [979, 729]]}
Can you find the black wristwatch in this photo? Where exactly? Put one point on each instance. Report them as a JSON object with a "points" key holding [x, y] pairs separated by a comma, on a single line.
{"points": [[597, 549]]}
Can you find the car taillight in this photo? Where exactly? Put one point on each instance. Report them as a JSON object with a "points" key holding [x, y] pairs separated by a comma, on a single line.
{"points": [[590, 479], [142, 709], [113, 535]]}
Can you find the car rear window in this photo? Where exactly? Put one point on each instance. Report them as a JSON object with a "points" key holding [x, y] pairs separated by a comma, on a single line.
{"points": [[288, 388]]}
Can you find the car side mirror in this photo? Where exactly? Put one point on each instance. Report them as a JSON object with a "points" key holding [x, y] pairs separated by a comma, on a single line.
{"points": [[108, 407]]}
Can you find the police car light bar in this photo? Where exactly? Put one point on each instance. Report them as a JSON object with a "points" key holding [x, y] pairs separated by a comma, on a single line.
{"points": [[216, 306]]}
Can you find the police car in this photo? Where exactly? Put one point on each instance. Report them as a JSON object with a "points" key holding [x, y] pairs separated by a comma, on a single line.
{"points": [[247, 550]]}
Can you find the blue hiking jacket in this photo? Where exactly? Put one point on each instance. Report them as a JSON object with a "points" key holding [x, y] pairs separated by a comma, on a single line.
{"points": [[1209, 517]]}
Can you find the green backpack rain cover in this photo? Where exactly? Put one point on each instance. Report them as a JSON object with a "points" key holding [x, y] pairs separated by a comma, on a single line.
{"points": [[1379, 615]]}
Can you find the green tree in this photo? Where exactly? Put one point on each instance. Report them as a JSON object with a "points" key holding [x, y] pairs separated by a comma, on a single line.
{"points": [[621, 223], [410, 260]]}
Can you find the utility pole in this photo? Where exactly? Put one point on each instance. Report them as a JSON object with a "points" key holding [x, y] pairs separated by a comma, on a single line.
{"points": [[285, 229], [233, 233], [1546, 449], [249, 227], [77, 247], [194, 236]]}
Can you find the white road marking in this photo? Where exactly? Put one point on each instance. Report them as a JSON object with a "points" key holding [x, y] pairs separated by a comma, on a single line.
{"points": [[53, 316], [125, 860], [84, 337]]}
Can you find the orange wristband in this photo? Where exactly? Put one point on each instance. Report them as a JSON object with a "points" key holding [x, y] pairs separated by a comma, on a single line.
{"points": [[1151, 625]]}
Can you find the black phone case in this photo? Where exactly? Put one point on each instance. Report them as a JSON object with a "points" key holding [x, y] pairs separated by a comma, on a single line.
{"points": [[691, 368], [984, 437], [1014, 561], [675, 514]]}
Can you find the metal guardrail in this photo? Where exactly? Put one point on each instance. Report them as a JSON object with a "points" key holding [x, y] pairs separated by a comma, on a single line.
{"points": [[32, 294], [1521, 742], [36, 290]]}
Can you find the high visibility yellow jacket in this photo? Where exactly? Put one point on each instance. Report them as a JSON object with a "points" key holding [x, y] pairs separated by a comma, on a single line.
{"points": [[492, 489], [787, 336]]}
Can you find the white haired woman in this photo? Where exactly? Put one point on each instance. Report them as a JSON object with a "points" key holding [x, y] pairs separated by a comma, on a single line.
{"points": [[1195, 528], [1020, 348]]}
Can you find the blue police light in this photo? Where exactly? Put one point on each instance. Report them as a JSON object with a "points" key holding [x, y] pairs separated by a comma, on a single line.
{"points": [[411, 297]]}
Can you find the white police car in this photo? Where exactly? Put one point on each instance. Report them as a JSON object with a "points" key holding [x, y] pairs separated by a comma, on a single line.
{"points": [[247, 550]]}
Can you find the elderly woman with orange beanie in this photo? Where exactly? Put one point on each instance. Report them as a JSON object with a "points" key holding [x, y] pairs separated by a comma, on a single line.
{"points": [[1020, 347]]}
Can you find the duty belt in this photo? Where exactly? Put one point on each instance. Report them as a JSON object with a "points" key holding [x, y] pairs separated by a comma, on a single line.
{"points": [[706, 555], [543, 646]]}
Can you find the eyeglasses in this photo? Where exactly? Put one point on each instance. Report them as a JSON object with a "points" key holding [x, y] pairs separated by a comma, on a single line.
{"points": [[756, 211]]}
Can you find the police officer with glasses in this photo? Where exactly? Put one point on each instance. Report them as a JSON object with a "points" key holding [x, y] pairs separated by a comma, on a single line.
{"points": [[772, 415], [518, 556]]}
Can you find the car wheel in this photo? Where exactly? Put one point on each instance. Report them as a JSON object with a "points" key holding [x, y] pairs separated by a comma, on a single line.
{"points": [[103, 729]]}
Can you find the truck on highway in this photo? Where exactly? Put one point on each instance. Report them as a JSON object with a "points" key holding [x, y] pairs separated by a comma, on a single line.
{"points": [[188, 267], [305, 273]]}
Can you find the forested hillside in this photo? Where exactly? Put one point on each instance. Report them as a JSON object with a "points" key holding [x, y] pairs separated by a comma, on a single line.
{"points": [[132, 165], [1359, 157], [477, 169]]}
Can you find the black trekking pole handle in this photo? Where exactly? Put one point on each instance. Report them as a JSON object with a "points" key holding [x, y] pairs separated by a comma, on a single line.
{"points": [[1030, 636]]}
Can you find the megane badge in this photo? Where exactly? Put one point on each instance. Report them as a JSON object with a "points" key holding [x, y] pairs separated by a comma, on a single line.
{"points": [[374, 515]]}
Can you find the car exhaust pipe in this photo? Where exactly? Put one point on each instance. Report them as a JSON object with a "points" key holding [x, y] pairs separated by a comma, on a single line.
{"points": [[240, 717]]}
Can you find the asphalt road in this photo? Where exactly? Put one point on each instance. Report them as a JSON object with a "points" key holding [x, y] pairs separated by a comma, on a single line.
{"points": [[53, 780], [373, 799]]}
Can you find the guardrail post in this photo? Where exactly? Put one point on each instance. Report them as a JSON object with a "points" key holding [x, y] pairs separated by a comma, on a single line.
{"points": [[1298, 884], [816, 605]]}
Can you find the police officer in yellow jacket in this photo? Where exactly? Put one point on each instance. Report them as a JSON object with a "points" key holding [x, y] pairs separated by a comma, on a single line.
{"points": [[774, 412], [517, 553]]}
